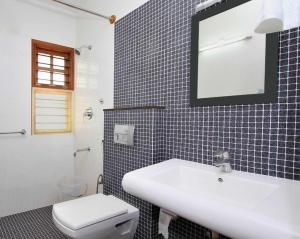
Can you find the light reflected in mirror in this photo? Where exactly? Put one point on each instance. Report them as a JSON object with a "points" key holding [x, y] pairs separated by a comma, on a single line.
{"points": [[231, 57]]}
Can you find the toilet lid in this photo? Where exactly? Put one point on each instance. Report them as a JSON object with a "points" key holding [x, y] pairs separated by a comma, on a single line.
{"points": [[82, 212]]}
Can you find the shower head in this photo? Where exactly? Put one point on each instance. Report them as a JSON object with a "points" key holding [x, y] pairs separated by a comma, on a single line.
{"points": [[78, 50]]}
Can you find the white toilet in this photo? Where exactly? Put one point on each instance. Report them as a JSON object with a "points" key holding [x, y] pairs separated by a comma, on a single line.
{"points": [[96, 217]]}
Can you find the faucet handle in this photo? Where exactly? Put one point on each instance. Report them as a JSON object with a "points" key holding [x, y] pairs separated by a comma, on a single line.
{"points": [[223, 161], [222, 155]]}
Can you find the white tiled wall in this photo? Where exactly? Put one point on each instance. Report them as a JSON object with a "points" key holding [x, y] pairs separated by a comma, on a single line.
{"points": [[95, 75], [31, 166]]}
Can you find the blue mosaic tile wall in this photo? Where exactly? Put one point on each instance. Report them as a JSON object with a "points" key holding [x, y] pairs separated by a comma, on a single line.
{"points": [[148, 149], [152, 67], [120, 159]]}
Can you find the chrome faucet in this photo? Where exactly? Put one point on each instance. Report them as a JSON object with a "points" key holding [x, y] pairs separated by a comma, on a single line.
{"points": [[223, 161]]}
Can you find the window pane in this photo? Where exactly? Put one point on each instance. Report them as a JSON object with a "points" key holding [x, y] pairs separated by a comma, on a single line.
{"points": [[44, 77], [51, 101], [41, 110], [51, 96], [59, 63], [53, 66], [59, 79], [52, 111], [44, 61], [50, 104], [51, 119], [50, 127]]}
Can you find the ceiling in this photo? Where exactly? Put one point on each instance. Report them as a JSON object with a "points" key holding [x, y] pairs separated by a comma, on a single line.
{"points": [[119, 8]]}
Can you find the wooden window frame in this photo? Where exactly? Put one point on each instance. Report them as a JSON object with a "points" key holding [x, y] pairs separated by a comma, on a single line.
{"points": [[59, 49], [67, 89]]}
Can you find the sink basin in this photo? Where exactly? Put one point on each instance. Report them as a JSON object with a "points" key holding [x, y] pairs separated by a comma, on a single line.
{"points": [[198, 182], [239, 205]]}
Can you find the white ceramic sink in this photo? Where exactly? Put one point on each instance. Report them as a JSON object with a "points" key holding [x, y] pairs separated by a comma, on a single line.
{"points": [[240, 205], [237, 191]]}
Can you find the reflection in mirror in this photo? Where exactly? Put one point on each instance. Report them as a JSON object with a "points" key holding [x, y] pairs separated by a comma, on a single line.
{"points": [[229, 59], [232, 57]]}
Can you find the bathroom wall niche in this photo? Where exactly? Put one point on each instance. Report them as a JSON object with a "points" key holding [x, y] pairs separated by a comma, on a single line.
{"points": [[230, 63]]}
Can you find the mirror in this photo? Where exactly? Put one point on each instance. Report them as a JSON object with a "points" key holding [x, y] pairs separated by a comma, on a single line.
{"points": [[230, 64]]}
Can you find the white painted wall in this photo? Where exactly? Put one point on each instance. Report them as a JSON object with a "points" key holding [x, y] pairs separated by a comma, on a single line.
{"points": [[30, 166], [95, 74]]}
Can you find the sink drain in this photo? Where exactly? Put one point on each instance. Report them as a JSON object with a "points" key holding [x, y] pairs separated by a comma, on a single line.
{"points": [[220, 180]]}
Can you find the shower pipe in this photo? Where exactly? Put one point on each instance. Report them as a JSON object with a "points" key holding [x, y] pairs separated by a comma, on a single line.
{"points": [[112, 19]]}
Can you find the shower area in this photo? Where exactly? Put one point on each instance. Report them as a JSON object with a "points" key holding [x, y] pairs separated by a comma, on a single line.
{"points": [[37, 170]]}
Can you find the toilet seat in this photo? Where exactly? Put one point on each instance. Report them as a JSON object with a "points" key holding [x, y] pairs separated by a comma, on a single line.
{"points": [[96, 217], [82, 212]]}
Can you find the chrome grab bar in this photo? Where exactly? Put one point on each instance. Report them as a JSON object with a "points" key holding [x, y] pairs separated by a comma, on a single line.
{"points": [[88, 149], [22, 132]]}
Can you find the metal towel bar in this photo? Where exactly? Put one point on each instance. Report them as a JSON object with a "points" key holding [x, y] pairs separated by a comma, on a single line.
{"points": [[22, 132], [88, 149]]}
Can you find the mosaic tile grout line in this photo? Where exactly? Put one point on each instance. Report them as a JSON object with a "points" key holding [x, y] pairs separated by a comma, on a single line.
{"points": [[152, 61]]}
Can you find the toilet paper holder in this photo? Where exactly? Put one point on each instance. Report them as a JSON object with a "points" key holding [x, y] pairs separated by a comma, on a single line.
{"points": [[171, 214], [165, 217]]}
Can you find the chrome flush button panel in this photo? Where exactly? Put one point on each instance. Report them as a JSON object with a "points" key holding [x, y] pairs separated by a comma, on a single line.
{"points": [[123, 134]]}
